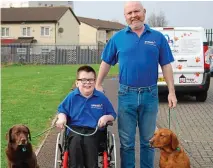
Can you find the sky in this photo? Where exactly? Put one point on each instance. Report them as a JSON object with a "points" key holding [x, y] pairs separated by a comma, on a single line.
{"points": [[177, 13]]}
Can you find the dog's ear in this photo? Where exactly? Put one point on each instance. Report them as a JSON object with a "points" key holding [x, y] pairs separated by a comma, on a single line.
{"points": [[9, 135], [29, 135], [174, 142]]}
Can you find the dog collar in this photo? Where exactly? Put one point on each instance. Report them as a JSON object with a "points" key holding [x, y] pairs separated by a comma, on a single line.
{"points": [[23, 148], [178, 149]]}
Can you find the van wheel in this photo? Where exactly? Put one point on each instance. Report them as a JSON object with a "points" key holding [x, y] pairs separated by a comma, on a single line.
{"points": [[202, 96]]}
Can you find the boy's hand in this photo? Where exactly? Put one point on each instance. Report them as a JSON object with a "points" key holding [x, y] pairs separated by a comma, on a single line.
{"points": [[102, 121], [61, 120], [60, 123], [99, 88]]}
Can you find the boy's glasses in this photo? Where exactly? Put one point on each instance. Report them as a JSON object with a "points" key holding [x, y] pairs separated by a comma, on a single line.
{"points": [[84, 80]]}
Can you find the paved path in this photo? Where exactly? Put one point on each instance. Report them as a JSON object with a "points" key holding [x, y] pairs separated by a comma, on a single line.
{"points": [[194, 126]]}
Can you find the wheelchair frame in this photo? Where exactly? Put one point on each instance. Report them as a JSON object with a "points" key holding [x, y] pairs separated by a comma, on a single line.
{"points": [[107, 156]]}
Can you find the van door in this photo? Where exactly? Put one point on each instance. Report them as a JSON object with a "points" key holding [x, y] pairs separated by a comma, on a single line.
{"points": [[169, 34], [188, 53]]}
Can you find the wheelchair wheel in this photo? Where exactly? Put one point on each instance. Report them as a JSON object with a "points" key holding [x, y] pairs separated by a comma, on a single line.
{"points": [[112, 150], [59, 149]]}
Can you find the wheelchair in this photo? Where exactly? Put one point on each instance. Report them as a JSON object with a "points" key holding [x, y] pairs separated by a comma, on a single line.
{"points": [[106, 150]]}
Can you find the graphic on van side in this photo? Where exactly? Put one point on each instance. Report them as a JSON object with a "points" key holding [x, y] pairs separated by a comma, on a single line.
{"points": [[169, 40], [184, 34], [183, 79], [197, 59], [179, 67], [197, 74], [176, 38]]}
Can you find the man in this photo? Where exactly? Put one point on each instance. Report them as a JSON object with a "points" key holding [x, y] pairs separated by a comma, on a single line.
{"points": [[139, 50]]}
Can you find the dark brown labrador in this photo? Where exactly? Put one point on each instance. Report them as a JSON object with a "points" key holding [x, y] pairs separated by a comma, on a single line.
{"points": [[172, 155], [19, 150]]}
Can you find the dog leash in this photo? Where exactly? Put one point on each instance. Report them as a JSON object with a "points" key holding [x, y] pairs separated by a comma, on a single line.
{"points": [[177, 126], [169, 119], [44, 131], [50, 128], [172, 112], [81, 133], [169, 122], [23, 147]]}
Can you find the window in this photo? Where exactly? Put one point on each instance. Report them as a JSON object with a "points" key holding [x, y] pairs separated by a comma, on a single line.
{"points": [[21, 50], [5, 32], [45, 31], [26, 31]]}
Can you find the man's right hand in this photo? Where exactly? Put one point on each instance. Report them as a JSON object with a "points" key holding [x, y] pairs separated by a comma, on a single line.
{"points": [[99, 88]]}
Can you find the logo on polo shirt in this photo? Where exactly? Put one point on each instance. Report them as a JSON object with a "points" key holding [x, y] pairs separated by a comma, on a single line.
{"points": [[97, 106], [150, 43]]}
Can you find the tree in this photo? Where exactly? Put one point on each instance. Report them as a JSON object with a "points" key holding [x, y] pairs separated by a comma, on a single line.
{"points": [[157, 20]]}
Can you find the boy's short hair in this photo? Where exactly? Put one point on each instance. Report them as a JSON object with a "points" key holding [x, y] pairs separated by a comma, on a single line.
{"points": [[86, 68]]}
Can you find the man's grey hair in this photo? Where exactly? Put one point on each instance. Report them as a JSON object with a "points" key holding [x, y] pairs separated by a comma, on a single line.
{"points": [[128, 2]]}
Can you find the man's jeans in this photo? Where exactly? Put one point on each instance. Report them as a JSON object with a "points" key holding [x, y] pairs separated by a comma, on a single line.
{"points": [[137, 107]]}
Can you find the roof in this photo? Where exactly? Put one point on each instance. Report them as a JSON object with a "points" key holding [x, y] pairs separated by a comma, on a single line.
{"points": [[102, 24], [25, 40], [19, 40], [7, 41], [34, 14]]}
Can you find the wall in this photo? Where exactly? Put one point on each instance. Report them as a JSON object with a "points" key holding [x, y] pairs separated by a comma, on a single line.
{"points": [[87, 34], [102, 37], [70, 25]]}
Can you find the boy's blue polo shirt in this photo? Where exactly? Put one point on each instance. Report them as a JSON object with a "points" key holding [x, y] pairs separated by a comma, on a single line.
{"points": [[138, 57], [84, 111]]}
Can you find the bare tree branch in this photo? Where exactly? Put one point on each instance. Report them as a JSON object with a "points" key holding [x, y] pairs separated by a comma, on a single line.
{"points": [[157, 20]]}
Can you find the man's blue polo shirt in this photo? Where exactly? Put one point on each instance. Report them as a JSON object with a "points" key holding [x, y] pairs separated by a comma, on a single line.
{"points": [[84, 111], [138, 57]]}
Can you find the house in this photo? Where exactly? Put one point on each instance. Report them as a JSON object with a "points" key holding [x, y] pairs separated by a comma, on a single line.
{"points": [[93, 31], [39, 25], [51, 3]]}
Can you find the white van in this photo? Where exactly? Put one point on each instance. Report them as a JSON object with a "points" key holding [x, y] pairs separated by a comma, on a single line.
{"points": [[191, 67]]}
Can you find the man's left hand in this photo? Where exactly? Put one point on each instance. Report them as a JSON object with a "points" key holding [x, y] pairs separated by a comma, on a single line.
{"points": [[172, 100]]}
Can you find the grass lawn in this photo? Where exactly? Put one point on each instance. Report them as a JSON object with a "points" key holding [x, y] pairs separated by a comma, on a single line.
{"points": [[31, 94]]}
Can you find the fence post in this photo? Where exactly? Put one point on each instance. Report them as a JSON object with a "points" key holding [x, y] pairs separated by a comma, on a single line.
{"points": [[209, 36]]}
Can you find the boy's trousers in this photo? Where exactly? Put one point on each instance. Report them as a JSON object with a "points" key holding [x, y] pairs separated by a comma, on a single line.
{"points": [[83, 150]]}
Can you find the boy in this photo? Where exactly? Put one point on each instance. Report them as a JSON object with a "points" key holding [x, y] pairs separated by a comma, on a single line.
{"points": [[86, 108]]}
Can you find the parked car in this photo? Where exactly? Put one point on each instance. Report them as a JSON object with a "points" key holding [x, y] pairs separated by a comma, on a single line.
{"points": [[191, 66]]}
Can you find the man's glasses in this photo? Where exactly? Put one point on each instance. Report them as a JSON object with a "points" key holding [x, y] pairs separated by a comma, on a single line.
{"points": [[84, 80]]}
